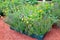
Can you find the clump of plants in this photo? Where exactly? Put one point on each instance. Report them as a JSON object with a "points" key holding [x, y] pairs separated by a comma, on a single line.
{"points": [[6, 5], [30, 19], [56, 11]]}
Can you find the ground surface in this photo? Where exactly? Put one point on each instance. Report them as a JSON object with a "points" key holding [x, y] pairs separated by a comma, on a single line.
{"points": [[7, 34]]}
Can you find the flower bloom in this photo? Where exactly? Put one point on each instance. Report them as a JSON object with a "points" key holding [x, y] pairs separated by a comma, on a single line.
{"points": [[41, 11]]}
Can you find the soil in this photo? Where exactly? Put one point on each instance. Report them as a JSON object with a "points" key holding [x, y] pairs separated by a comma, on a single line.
{"points": [[7, 34], [53, 34]]}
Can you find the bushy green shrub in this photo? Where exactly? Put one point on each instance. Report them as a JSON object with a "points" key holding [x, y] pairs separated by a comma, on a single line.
{"points": [[30, 19], [7, 5]]}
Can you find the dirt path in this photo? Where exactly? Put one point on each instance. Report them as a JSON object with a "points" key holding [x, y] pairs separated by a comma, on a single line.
{"points": [[7, 34]]}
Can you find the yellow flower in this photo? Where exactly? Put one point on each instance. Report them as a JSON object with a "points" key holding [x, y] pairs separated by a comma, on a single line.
{"points": [[41, 11]]}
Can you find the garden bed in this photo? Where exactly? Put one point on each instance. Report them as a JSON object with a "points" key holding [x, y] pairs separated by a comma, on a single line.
{"points": [[7, 34], [31, 18]]}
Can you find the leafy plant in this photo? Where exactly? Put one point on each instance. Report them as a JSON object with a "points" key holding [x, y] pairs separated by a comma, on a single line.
{"points": [[30, 19], [56, 0], [56, 11], [7, 5], [32, 1]]}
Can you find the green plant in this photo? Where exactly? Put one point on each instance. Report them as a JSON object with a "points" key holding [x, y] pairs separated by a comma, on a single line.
{"points": [[56, 0], [56, 11], [7, 5], [30, 19], [32, 1]]}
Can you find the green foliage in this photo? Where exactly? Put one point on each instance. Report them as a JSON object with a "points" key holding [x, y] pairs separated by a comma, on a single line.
{"points": [[32, 1], [56, 0], [8, 5], [31, 19], [28, 18], [56, 9]]}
